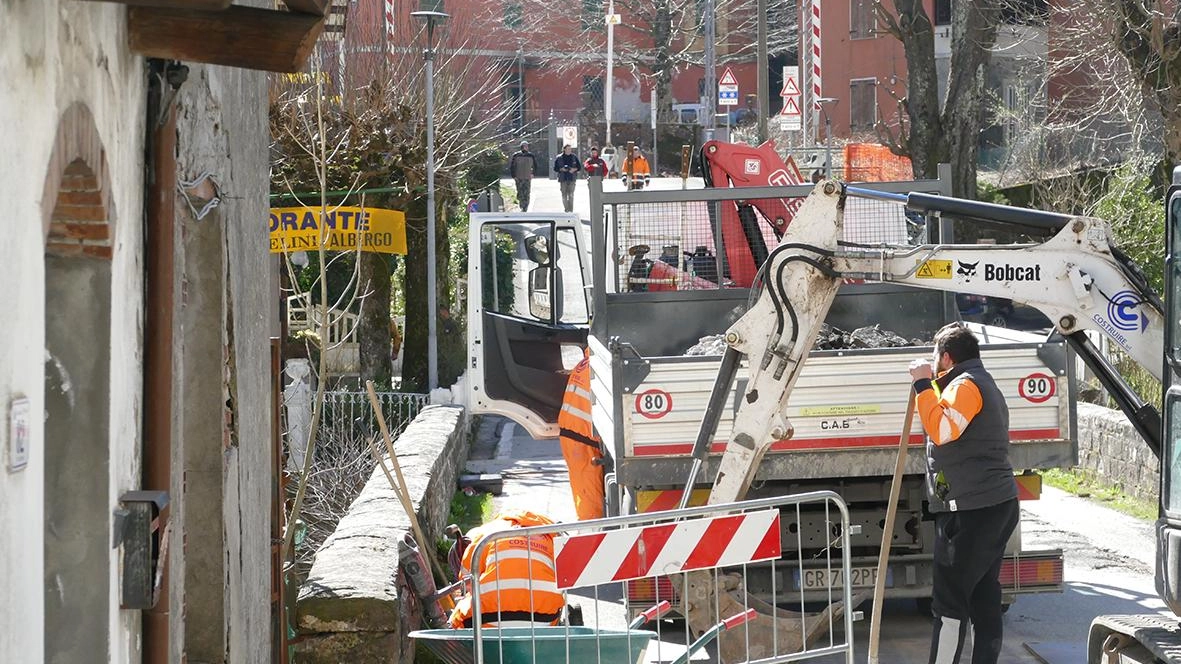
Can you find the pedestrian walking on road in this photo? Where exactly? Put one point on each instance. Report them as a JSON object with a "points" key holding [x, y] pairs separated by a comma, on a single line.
{"points": [[971, 492], [567, 167], [595, 166], [636, 171], [522, 166]]}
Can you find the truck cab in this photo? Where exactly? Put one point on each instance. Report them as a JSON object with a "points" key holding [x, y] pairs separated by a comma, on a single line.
{"points": [[529, 312]]}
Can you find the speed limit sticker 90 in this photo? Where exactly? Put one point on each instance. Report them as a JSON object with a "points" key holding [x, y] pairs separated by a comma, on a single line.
{"points": [[654, 404], [1037, 387]]}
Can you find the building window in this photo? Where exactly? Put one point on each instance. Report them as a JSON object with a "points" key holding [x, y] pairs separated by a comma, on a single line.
{"points": [[862, 23], [942, 12], [513, 16], [593, 17], [863, 107], [592, 93]]}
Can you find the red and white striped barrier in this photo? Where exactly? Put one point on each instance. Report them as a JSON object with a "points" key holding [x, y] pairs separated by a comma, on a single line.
{"points": [[391, 34], [817, 89], [633, 553]]}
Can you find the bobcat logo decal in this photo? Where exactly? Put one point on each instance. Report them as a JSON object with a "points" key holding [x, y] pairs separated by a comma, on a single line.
{"points": [[968, 270]]}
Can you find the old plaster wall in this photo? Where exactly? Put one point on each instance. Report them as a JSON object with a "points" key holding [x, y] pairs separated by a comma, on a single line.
{"points": [[56, 53], [227, 312]]}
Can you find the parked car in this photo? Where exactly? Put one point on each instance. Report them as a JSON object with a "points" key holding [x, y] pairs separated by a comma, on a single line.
{"points": [[1000, 312]]}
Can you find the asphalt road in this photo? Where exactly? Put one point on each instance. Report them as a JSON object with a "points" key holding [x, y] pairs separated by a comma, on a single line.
{"points": [[1109, 563]]}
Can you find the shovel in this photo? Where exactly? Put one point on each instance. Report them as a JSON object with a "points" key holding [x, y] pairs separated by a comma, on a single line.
{"points": [[879, 590]]}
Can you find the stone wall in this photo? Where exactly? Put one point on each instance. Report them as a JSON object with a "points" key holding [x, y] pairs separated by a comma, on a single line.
{"points": [[355, 605], [1109, 447]]}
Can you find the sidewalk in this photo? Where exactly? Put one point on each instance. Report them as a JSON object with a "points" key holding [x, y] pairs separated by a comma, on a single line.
{"points": [[534, 473]]}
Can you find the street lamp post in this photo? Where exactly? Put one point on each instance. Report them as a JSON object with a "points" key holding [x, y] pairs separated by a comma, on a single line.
{"points": [[430, 19], [611, 19], [824, 101]]}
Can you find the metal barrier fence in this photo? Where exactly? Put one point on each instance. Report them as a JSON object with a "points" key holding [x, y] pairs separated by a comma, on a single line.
{"points": [[707, 555], [347, 419]]}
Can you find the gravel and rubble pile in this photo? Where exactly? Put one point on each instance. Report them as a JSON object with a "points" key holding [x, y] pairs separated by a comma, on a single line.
{"points": [[830, 338], [714, 344], [870, 336]]}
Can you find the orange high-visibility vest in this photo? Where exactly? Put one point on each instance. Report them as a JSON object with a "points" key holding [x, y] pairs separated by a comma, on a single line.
{"points": [[518, 584], [580, 446]]}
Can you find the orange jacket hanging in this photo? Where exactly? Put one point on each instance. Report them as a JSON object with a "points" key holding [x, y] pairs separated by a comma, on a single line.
{"points": [[518, 585]]}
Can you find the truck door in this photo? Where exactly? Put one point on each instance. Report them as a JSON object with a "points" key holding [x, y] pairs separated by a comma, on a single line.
{"points": [[528, 314]]}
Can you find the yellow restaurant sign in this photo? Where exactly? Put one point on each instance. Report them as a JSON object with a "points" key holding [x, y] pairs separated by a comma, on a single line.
{"points": [[345, 229]]}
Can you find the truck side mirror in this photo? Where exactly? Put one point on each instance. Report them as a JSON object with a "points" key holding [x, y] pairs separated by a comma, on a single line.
{"points": [[537, 249], [540, 298]]}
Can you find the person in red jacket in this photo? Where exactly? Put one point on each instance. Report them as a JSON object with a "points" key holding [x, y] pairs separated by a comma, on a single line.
{"points": [[595, 166]]}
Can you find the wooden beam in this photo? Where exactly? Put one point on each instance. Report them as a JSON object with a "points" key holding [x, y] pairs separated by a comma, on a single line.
{"points": [[205, 5], [243, 37], [317, 7]]}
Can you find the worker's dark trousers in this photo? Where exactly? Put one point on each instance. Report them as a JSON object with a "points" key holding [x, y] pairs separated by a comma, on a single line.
{"points": [[523, 187], [969, 547]]}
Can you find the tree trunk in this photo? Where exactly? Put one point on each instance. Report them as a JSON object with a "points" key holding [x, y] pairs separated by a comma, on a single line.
{"points": [[414, 344], [973, 34], [923, 141], [415, 372], [950, 134], [373, 327]]}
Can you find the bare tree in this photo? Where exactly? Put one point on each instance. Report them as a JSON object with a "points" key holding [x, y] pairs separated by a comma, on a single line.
{"points": [[929, 132], [657, 39], [376, 134]]}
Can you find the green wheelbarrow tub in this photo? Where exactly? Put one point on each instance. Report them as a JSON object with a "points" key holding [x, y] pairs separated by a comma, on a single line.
{"points": [[517, 645]]}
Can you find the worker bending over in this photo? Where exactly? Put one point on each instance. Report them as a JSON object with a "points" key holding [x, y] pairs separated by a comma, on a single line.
{"points": [[971, 491], [580, 447], [518, 586]]}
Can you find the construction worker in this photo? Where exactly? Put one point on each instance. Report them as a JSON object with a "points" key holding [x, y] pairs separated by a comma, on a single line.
{"points": [[518, 586], [636, 171], [971, 492], [580, 446]]}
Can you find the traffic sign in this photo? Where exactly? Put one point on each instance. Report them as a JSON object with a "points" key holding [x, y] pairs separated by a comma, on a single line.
{"points": [[728, 78], [791, 117], [727, 98], [791, 86], [613, 19]]}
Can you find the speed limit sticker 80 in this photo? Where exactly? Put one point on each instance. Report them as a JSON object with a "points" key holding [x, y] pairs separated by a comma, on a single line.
{"points": [[654, 404], [1037, 388]]}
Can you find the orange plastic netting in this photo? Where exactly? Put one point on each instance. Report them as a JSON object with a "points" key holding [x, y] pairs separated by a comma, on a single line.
{"points": [[871, 162]]}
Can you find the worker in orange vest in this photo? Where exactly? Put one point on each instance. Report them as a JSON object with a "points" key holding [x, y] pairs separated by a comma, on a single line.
{"points": [[580, 446], [518, 586], [636, 171]]}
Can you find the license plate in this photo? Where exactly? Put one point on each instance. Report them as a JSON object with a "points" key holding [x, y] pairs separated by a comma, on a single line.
{"points": [[823, 579]]}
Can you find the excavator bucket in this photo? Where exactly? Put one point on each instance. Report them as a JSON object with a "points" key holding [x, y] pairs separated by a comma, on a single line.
{"points": [[773, 632]]}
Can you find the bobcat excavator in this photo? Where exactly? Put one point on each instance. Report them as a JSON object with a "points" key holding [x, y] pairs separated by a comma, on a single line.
{"points": [[1078, 277]]}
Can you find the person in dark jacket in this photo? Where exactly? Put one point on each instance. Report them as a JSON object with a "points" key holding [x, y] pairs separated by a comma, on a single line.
{"points": [[595, 166], [567, 167], [522, 166], [971, 492]]}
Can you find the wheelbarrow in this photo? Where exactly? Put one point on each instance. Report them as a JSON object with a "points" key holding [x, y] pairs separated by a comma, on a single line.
{"points": [[544, 644]]}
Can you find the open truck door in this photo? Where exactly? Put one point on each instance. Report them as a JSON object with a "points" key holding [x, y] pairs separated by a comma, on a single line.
{"points": [[528, 314]]}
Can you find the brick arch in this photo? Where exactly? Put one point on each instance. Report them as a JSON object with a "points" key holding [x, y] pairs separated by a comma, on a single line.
{"points": [[76, 203]]}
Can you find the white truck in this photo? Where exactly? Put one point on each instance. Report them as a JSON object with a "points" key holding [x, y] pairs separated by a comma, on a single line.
{"points": [[535, 300]]}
